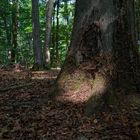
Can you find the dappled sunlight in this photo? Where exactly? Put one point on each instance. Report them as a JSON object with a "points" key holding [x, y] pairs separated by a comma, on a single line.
{"points": [[13, 80], [83, 89], [99, 85], [80, 95], [49, 74]]}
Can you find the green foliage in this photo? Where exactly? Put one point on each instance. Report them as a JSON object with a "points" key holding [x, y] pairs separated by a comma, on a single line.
{"points": [[66, 15], [24, 50]]}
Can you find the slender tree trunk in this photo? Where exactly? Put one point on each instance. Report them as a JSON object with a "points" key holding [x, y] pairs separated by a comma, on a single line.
{"points": [[7, 31], [57, 33], [102, 57], [36, 35], [8, 37], [137, 10], [53, 39], [49, 13], [67, 23], [14, 30]]}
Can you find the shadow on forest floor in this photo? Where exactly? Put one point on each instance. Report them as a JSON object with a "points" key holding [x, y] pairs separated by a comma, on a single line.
{"points": [[25, 114]]}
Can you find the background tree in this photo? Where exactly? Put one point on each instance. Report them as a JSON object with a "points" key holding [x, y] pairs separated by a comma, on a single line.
{"points": [[25, 48], [102, 57], [137, 12], [57, 31], [14, 30], [5, 31], [24, 53], [61, 39], [15, 20], [49, 13], [36, 35]]}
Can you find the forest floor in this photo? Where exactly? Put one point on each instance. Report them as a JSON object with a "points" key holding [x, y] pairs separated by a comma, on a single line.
{"points": [[27, 114]]}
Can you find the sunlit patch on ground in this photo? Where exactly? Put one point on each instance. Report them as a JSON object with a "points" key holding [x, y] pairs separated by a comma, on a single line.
{"points": [[51, 74], [81, 95]]}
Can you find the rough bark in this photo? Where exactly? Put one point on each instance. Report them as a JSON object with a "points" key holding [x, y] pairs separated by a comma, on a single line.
{"points": [[36, 35], [49, 13], [102, 57]]}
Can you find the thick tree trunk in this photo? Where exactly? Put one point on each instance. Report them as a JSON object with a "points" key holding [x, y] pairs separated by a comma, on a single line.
{"points": [[36, 35], [102, 56], [49, 13]]}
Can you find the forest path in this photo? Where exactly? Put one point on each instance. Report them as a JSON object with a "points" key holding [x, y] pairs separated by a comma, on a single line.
{"points": [[26, 115]]}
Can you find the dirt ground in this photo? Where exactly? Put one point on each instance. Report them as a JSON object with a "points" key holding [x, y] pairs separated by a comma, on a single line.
{"points": [[27, 114]]}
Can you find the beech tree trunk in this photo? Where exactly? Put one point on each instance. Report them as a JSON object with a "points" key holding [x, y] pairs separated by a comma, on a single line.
{"points": [[57, 33], [49, 14], [53, 38], [102, 57], [36, 35]]}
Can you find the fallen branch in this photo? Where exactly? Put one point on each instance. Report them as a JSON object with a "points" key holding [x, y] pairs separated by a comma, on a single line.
{"points": [[16, 87]]}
